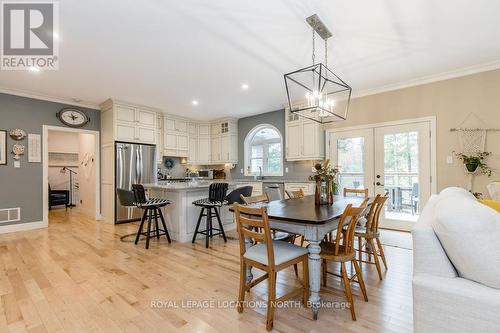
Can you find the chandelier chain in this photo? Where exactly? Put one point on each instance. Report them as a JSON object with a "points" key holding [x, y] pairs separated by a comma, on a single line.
{"points": [[326, 52], [313, 45]]}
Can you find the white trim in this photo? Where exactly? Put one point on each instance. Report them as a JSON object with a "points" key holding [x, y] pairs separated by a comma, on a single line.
{"points": [[433, 148], [49, 98], [45, 167], [490, 66], [250, 135], [22, 226]]}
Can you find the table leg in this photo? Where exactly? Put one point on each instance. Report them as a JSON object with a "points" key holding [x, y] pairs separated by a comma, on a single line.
{"points": [[314, 276], [249, 275]]}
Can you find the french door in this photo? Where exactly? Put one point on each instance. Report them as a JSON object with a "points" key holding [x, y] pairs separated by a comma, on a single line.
{"points": [[387, 159]]}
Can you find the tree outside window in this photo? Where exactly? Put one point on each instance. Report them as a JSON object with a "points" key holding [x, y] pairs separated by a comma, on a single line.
{"points": [[263, 150]]}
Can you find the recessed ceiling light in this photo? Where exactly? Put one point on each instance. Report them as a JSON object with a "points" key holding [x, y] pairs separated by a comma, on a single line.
{"points": [[244, 86], [34, 69], [195, 102]]}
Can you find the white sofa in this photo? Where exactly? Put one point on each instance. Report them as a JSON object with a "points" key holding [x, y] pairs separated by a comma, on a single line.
{"points": [[444, 300]]}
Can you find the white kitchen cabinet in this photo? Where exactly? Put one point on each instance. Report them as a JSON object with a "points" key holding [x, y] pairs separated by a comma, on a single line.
{"points": [[125, 122], [132, 123], [125, 113], [304, 138], [224, 141], [256, 187], [159, 138], [307, 187], [293, 141], [146, 135], [204, 156], [204, 129], [193, 150], [176, 138], [216, 149], [182, 142]]}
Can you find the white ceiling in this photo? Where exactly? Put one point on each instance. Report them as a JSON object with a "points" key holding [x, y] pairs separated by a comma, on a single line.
{"points": [[167, 53]]}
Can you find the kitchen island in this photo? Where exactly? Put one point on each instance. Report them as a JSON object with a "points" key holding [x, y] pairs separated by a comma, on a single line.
{"points": [[181, 216]]}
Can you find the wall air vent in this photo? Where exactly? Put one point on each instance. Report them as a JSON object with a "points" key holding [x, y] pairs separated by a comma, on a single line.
{"points": [[10, 215]]}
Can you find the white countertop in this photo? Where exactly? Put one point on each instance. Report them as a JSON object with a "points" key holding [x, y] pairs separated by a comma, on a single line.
{"points": [[204, 184]]}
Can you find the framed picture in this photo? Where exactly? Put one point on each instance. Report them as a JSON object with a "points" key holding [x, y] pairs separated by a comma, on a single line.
{"points": [[3, 147]]}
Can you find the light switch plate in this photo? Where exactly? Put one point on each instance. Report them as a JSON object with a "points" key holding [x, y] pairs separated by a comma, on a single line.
{"points": [[241, 171], [17, 164], [286, 169], [449, 159]]}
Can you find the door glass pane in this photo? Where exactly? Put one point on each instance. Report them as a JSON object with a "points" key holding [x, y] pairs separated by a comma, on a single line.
{"points": [[351, 162], [401, 176]]}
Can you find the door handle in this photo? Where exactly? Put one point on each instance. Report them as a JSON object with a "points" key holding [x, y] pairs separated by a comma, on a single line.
{"points": [[379, 184]]}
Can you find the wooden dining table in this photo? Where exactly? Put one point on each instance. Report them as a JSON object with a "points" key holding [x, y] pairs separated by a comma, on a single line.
{"points": [[301, 216]]}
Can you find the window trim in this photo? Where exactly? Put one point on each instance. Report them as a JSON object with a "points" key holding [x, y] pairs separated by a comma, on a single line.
{"points": [[247, 150]]}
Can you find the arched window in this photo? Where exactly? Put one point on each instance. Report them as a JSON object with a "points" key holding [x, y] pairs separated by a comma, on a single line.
{"points": [[264, 150]]}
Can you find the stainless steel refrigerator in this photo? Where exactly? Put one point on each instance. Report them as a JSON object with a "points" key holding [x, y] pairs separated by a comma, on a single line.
{"points": [[135, 164]]}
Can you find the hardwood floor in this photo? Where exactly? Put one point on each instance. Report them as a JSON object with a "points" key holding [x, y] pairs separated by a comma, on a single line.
{"points": [[78, 276]]}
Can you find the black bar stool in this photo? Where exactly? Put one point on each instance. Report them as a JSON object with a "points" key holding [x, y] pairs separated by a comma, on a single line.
{"points": [[215, 200], [235, 195], [152, 211]]}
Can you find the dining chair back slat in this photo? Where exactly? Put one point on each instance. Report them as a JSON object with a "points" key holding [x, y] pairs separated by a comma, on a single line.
{"points": [[356, 191], [372, 219], [249, 225], [295, 194], [347, 227], [255, 199]]}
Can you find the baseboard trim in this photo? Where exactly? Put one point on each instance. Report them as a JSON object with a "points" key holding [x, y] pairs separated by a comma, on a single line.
{"points": [[22, 227]]}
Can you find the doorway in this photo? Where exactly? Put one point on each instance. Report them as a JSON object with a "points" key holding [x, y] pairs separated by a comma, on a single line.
{"points": [[397, 158], [71, 171]]}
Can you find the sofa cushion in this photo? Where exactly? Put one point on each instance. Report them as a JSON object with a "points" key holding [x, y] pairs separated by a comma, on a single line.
{"points": [[469, 233], [429, 256]]}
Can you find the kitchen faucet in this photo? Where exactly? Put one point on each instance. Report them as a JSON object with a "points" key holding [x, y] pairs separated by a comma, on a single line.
{"points": [[260, 173]]}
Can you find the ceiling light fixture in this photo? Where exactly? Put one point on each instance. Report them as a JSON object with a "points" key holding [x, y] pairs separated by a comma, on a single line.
{"points": [[244, 86], [315, 92], [195, 102]]}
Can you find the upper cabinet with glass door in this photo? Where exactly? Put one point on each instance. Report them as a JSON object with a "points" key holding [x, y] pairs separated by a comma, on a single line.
{"points": [[304, 139]]}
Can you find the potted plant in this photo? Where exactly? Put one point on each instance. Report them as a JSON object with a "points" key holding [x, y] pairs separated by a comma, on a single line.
{"points": [[475, 162], [325, 178]]}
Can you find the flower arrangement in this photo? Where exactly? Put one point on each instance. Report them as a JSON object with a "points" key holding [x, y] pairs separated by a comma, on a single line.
{"points": [[475, 162], [326, 182]]}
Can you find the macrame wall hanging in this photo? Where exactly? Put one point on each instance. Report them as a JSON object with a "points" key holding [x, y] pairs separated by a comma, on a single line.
{"points": [[472, 140]]}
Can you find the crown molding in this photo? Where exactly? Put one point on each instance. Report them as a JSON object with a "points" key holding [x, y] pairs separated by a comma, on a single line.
{"points": [[49, 98], [490, 66]]}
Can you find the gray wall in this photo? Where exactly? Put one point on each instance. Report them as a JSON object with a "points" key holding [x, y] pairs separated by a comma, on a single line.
{"points": [[23, 187], [298, 171]]}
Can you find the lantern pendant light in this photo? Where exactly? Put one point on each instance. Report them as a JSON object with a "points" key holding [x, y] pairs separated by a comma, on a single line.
{"points": [[316, 92]]}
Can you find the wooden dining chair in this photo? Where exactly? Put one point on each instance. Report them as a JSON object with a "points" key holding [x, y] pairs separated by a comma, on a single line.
{"points": [[341, 250], [295, 194], [255, 199], [277, 235], [369, 235], [267, 255], [299, 194], [356, 191]]}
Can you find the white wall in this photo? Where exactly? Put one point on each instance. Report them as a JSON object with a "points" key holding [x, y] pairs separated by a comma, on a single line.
{"points": [[87, 174], [63, 142]]}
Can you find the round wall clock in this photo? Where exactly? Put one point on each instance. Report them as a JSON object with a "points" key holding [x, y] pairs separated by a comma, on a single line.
{"points": [[73, 117]]}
